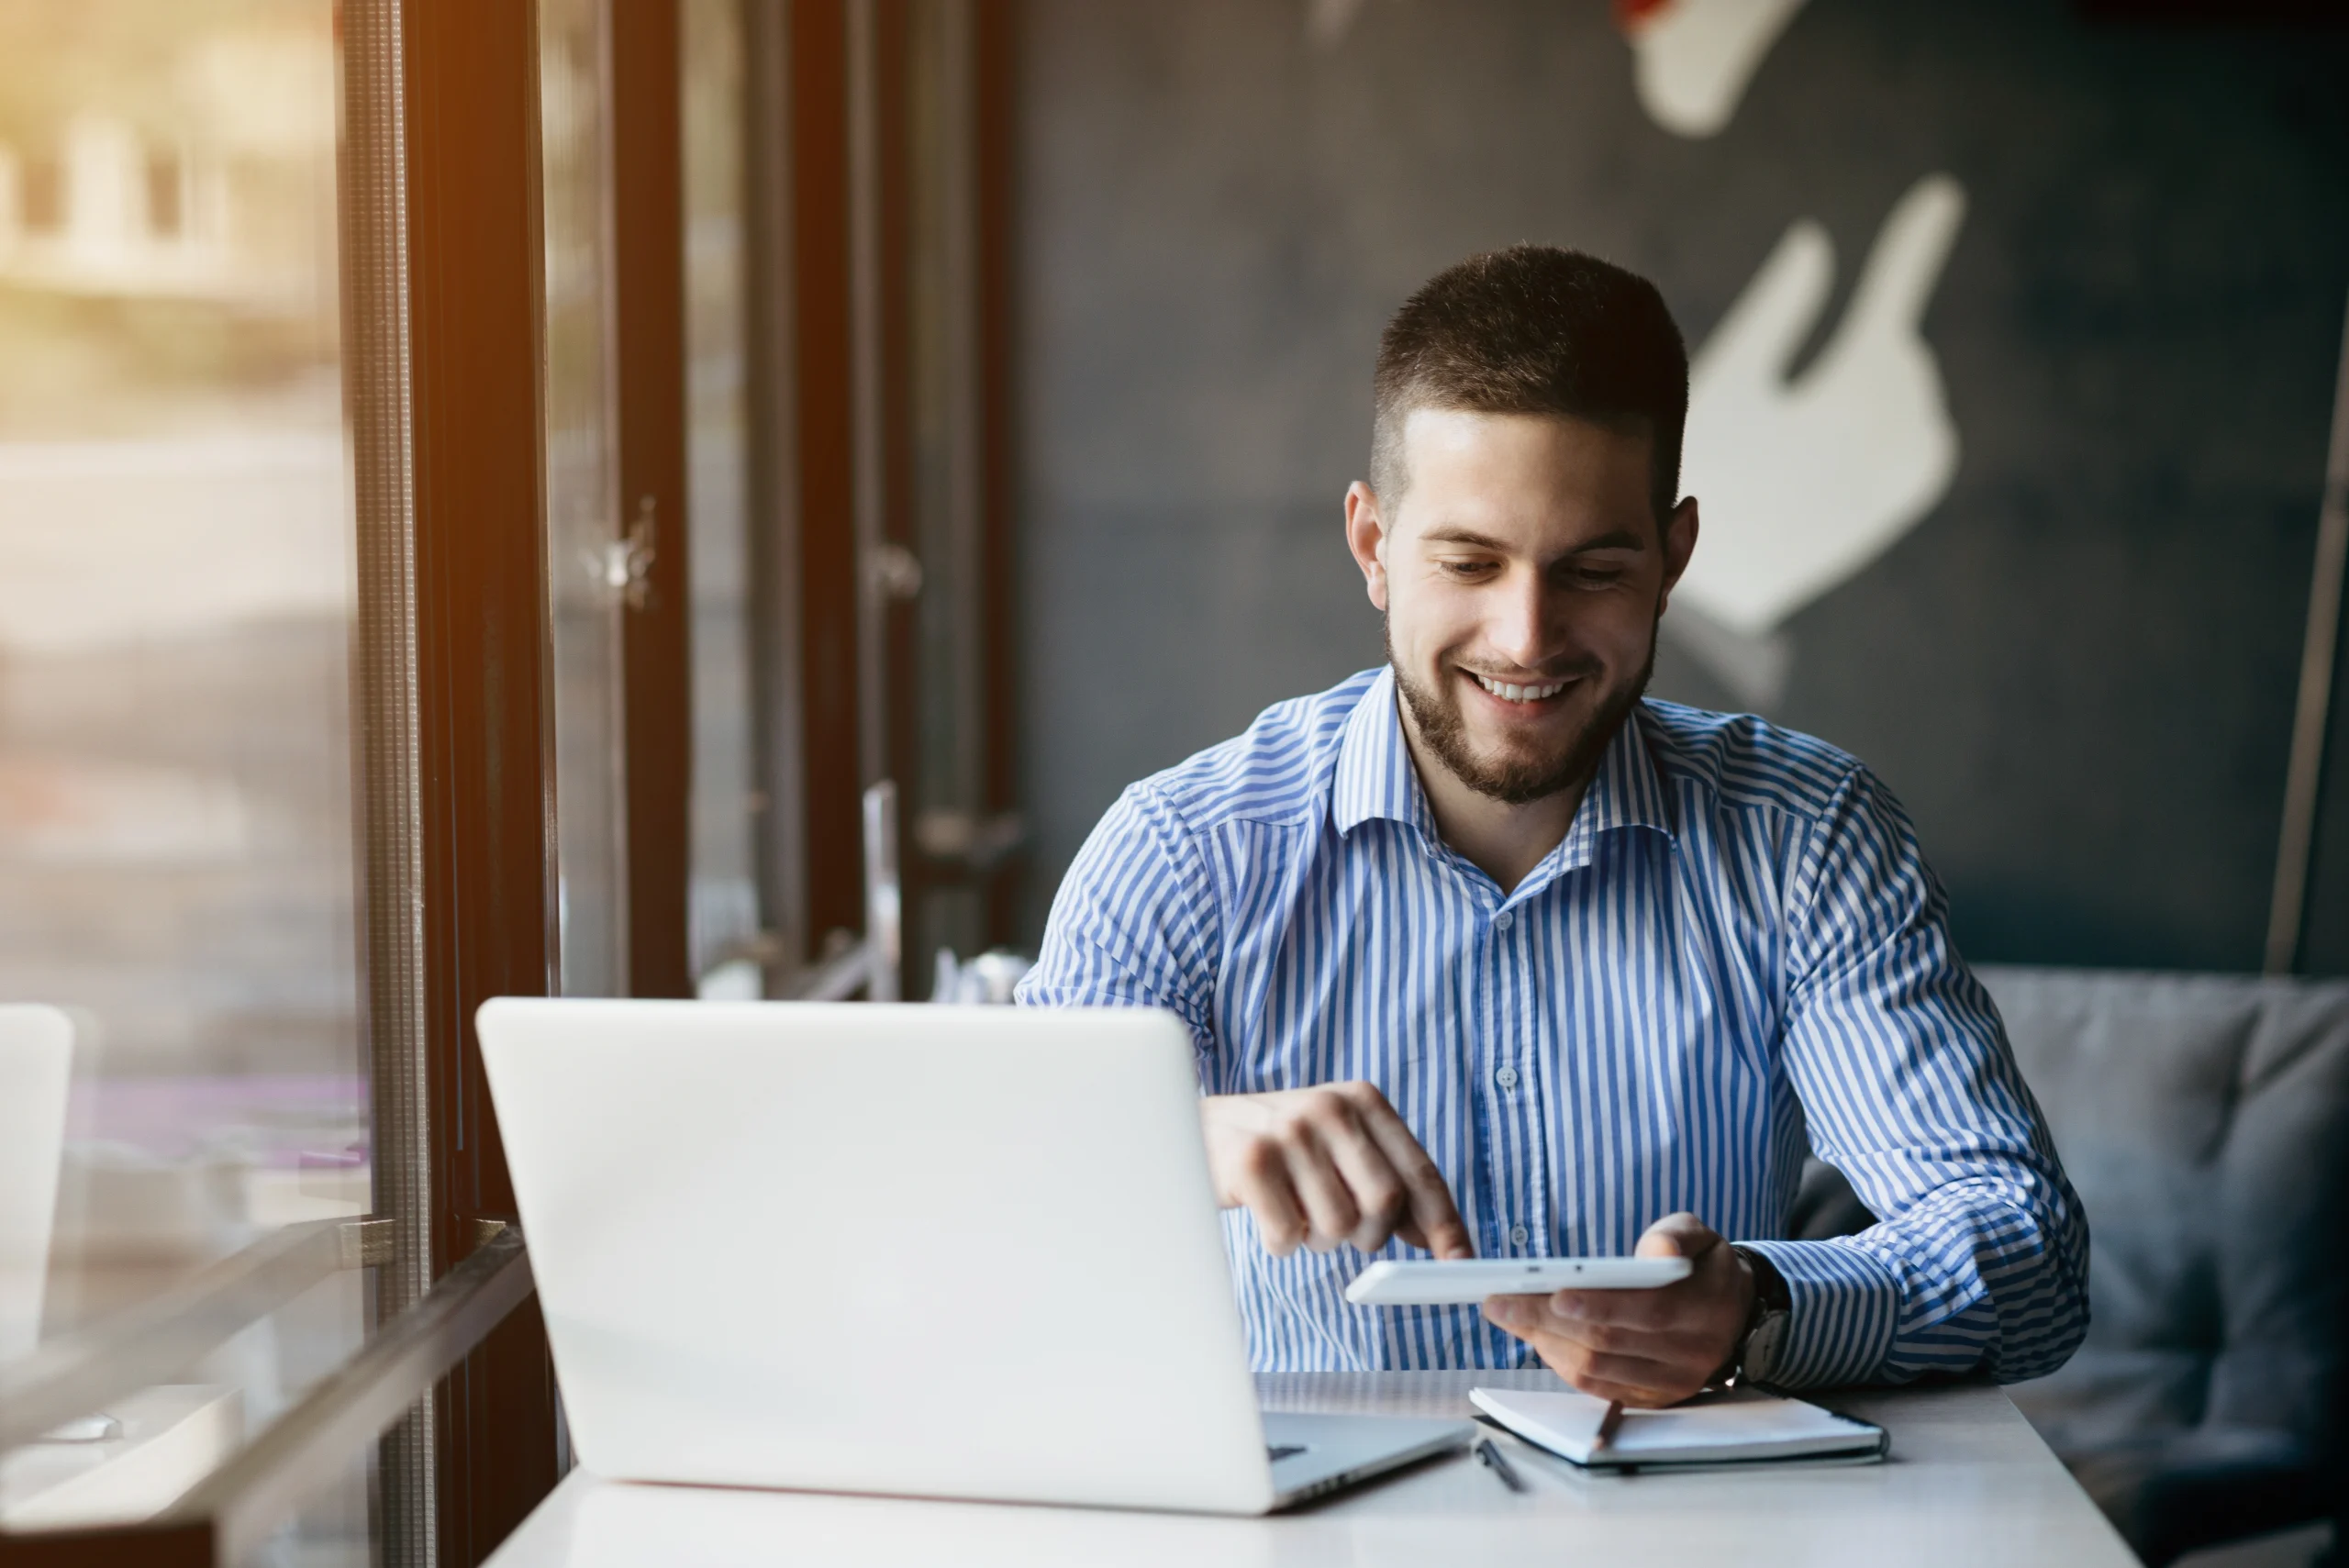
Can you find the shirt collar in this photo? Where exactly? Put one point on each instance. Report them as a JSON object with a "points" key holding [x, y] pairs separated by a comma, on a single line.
{"points": [[1375, 777], [1625, 793]]}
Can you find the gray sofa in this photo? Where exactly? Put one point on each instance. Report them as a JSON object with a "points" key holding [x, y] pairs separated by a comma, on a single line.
{"points": [[2205, 1121]]}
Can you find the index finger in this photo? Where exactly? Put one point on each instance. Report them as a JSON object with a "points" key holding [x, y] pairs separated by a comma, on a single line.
{"points": [[1431, 1218], [1897, 280]]}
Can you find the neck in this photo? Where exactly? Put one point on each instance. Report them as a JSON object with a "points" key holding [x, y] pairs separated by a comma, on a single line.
{"points": [[1503, 841]]}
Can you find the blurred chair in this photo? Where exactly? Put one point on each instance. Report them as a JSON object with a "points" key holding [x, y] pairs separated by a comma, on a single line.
{"points": [[986, 980], [2205, 1121], [35, 1065]]}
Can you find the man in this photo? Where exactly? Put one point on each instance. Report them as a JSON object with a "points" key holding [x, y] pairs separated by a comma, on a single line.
{"points": [[1486, 955]]}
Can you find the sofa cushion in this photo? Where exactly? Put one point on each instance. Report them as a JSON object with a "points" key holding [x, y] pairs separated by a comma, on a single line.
{"points": [[2204, 1121], [2170, 1492]]}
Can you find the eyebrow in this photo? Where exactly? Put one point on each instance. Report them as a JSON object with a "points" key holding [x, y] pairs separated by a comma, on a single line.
{"points": [[1621, 539]]}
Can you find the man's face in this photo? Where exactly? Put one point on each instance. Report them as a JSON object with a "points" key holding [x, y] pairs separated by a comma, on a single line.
{"points": [[1521, 576]]}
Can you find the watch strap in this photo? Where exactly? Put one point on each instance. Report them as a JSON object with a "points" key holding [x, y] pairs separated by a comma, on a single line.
{"points": [[1758, 1349]]}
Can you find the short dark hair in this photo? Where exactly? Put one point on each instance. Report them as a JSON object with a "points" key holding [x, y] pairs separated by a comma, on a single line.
{"points": [[1533, 329]]}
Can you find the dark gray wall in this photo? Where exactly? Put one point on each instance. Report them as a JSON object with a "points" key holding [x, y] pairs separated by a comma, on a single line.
{"points": [[2079, 671]]}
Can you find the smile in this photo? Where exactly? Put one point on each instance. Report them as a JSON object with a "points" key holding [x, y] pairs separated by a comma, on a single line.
{"points": [[1507, 693]]}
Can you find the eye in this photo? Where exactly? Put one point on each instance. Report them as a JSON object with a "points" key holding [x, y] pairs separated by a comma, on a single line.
{"points": [[1592, 575], [1466, 571]]}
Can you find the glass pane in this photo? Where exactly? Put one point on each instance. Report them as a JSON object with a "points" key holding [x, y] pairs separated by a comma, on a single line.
{"points": [[588, 556], [727, 800], [947, 782], [175, 590]]}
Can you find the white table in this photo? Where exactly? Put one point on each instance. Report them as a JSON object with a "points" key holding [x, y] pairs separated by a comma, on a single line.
{"points": [[1968, 1482]]}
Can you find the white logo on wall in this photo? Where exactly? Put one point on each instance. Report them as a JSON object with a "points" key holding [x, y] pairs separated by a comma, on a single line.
{"points": [[1800, 482], [1804, 480], [1691, 59]]}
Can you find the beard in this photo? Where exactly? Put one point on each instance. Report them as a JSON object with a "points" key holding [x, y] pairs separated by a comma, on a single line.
{"points": [[1520, 779]]}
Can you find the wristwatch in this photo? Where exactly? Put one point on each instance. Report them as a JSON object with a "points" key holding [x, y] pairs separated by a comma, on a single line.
{"points": [[1758, 1349]]}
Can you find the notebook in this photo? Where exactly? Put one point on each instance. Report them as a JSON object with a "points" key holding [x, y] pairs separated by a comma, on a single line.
{"points": [[1733, 1427]]}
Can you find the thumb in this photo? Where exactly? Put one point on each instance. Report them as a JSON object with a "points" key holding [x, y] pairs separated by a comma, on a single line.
{"points": [[1677, 1236]]}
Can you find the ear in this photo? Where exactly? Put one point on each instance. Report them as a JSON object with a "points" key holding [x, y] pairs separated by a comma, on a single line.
{"points": [[1366, 540], [1679, 544]]}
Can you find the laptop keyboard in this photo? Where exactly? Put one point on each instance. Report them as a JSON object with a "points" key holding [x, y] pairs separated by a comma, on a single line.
{"points": [[1278, 1451]]}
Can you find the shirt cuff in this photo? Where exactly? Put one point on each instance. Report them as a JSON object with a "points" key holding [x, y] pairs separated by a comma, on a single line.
{"points": [[1842, 1307]]}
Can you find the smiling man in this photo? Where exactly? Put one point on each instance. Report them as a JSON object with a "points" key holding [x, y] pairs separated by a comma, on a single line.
{"points": [[1484, 955]]}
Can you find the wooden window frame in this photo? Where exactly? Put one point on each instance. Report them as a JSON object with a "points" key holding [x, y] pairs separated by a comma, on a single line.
{"points": [[829, 162], [444, 354], [483, 681]]}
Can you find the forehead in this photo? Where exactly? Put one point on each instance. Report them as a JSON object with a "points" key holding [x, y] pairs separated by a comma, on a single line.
{"points": [[1535, 479]]}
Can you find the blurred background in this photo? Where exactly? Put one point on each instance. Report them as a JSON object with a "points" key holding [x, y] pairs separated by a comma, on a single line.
{"points": [[2044, 521], [1012, 359], [175, 589]]}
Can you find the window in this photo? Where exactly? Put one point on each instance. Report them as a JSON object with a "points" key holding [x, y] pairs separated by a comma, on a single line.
{"points": [[403, 405], [728, 799], [595, 557], [175, 615]]}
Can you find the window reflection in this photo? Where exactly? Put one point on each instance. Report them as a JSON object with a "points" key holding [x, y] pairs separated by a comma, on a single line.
{"points": [[727, 799], [590, 560], [175, 596]]}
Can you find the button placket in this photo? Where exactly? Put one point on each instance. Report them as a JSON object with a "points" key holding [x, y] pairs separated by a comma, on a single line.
{"points": [[1518, 1040], [1496, 1115], [1502, 1113], [1481, 1005]]}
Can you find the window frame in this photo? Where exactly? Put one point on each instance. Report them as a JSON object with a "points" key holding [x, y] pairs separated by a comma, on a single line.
{"points": [[453, 750]]}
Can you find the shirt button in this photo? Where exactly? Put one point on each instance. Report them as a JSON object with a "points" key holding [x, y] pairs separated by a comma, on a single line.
{"points": [[1504, 920], [1519, 1235], [1506, 1077]]}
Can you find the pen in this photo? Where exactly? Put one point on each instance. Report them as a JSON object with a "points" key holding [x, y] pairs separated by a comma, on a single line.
{"points": [[1492, 1460], [1607, 1425]]}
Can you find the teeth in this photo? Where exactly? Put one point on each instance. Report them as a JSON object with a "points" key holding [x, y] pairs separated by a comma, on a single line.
{"points": [[1507, 693]]}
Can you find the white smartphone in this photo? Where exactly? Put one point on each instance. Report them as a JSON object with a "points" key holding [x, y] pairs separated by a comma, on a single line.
{"points": [[1434, 1282]]}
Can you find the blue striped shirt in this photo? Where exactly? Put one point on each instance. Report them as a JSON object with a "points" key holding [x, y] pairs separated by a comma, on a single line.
{"points": [[1736, 953]]}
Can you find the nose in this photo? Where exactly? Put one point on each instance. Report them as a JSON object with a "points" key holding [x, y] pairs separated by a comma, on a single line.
{"points": [[1518, 626]]}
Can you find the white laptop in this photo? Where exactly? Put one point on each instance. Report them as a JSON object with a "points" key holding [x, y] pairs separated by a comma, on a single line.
{"points": [[927, 1251], [36, 1071]]}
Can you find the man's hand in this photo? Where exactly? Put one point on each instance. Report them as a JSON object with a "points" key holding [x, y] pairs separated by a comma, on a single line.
{"points": [[1643, 1346], [1329, 1164]]}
